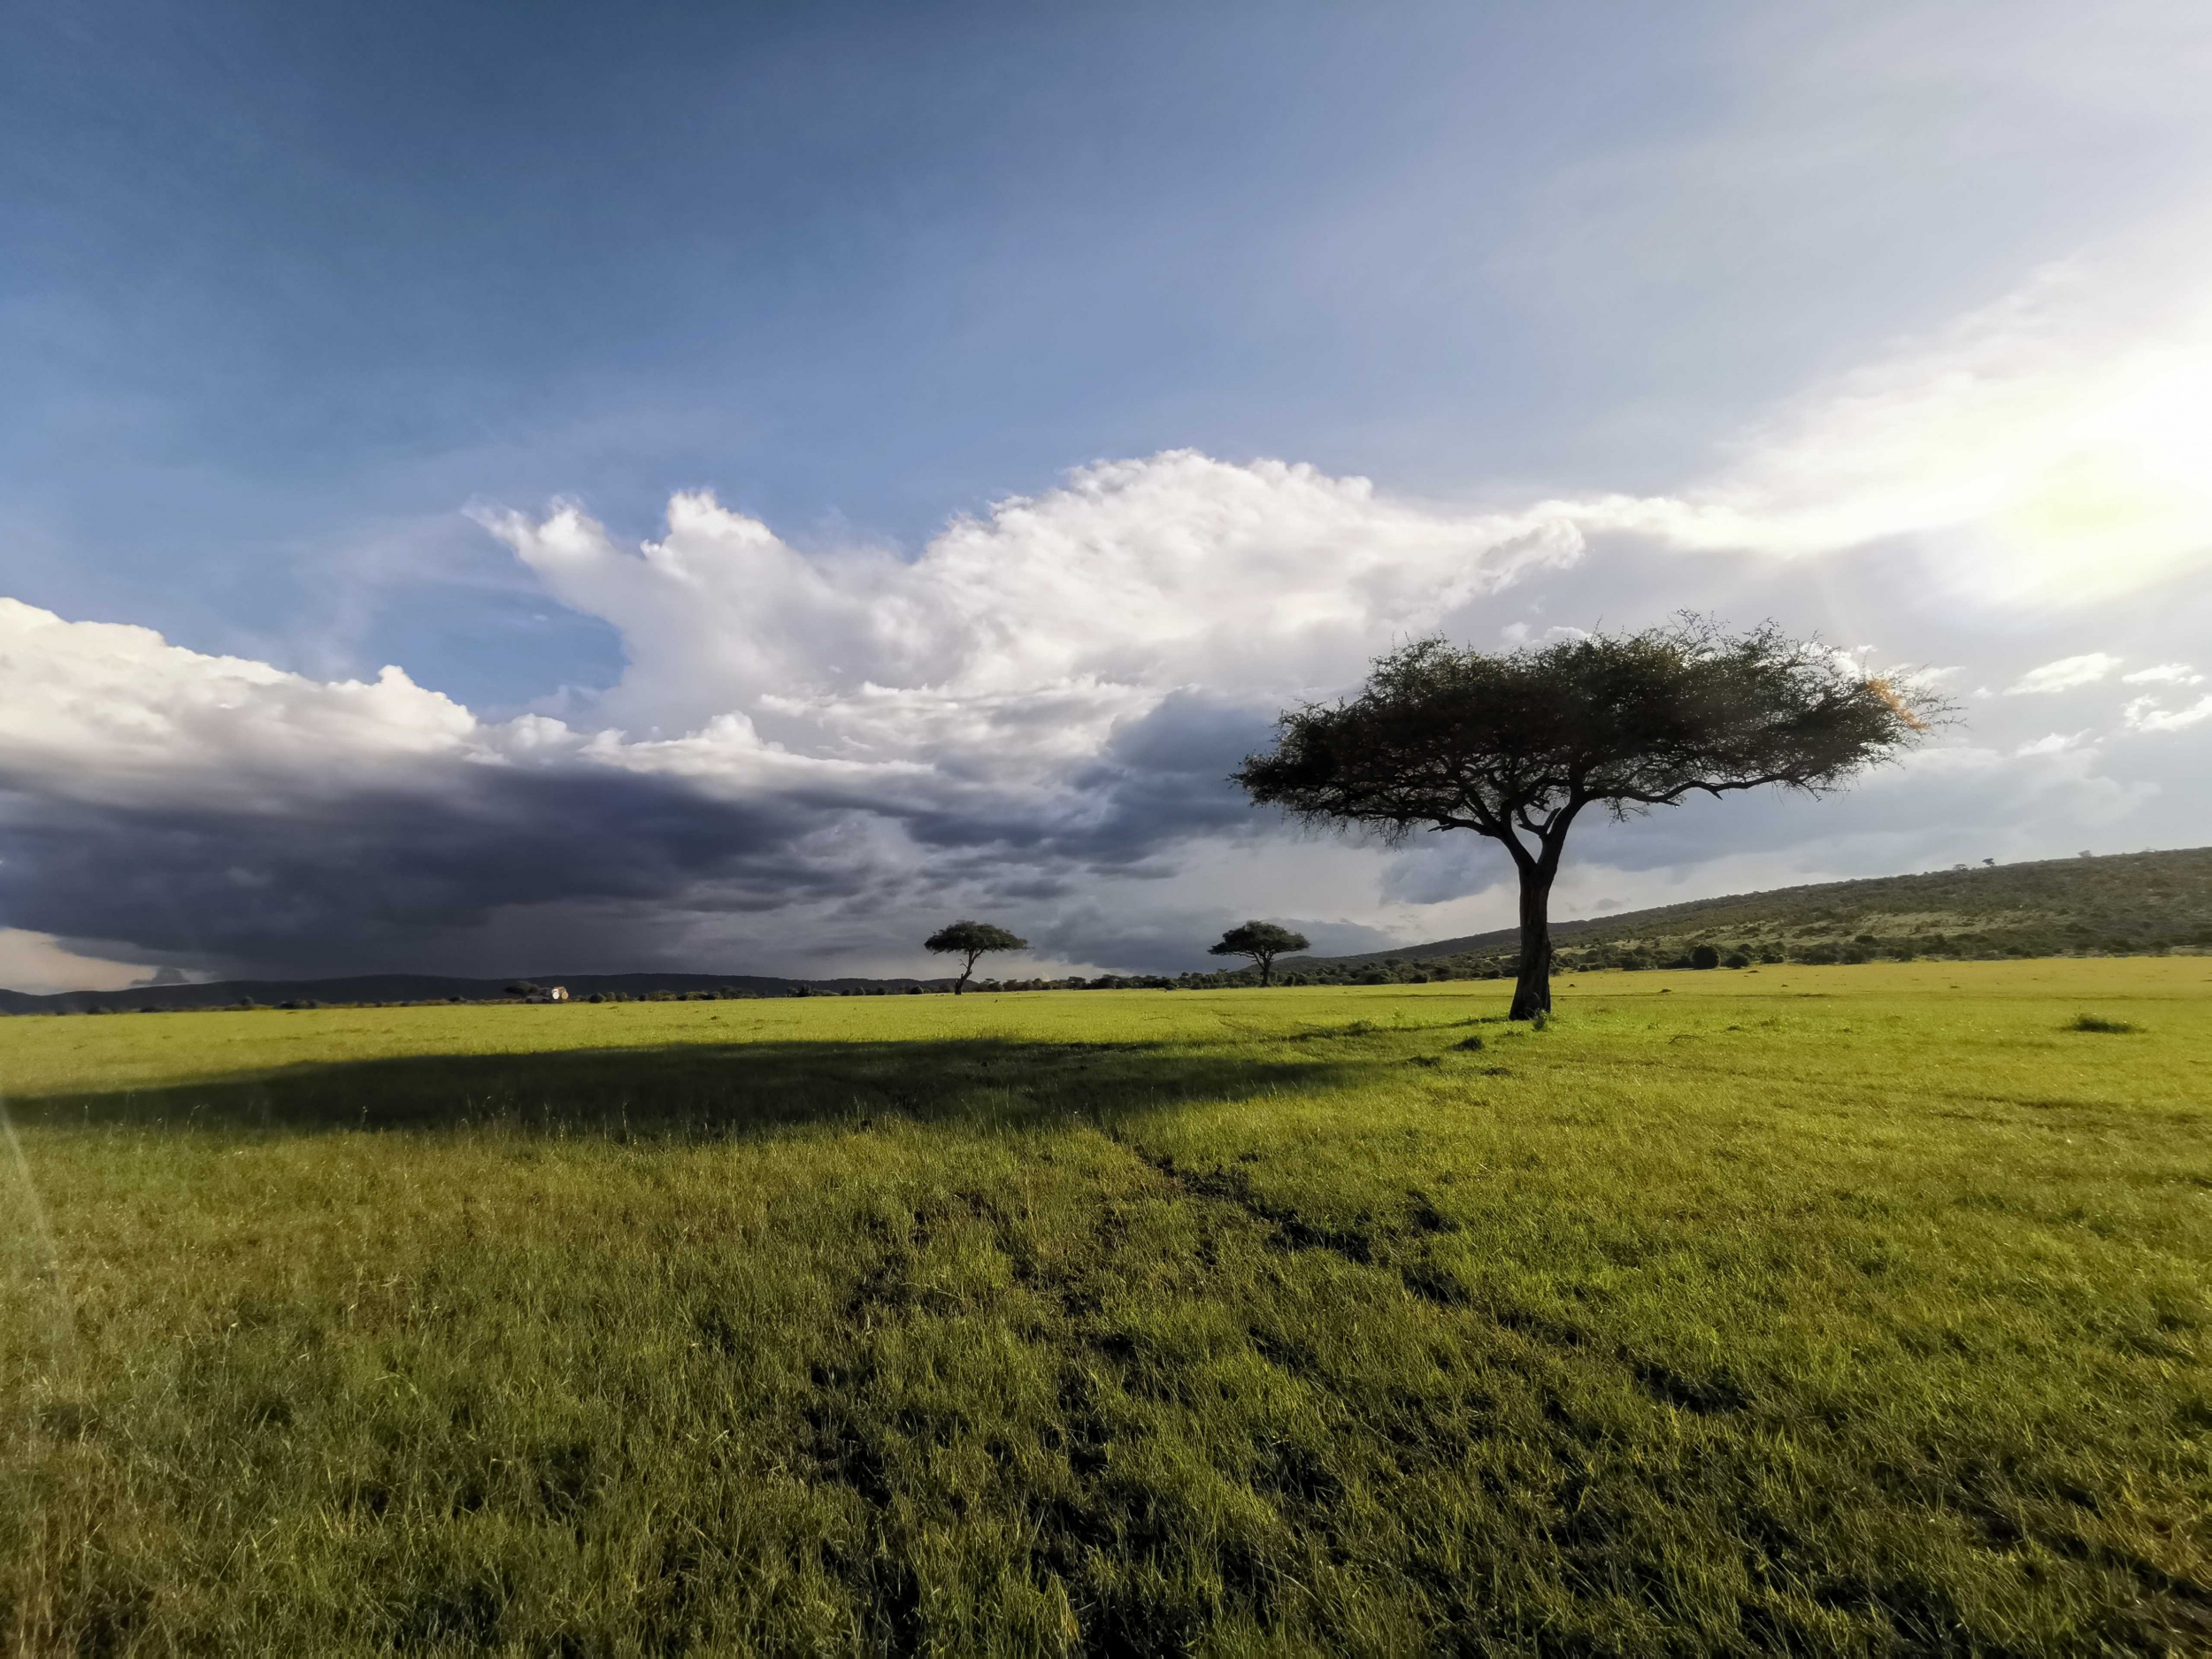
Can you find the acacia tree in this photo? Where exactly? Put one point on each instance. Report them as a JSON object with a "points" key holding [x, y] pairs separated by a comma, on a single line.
{"points": [[1263, 942], [968, 941], [1516, 745]]}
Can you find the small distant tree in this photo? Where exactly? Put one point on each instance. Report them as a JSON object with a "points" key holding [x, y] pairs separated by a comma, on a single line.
{"points": [[969, 941], [1516, 745], [1263, 942]]}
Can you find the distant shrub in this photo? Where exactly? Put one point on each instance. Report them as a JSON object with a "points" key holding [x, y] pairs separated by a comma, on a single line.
{"points": [[1736, 959], [1704, 956], [2098, 1022]]}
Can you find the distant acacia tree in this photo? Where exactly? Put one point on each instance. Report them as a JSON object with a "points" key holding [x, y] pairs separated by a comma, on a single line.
{"points": [[969, 941], [1517, 744], [1263, 942]]}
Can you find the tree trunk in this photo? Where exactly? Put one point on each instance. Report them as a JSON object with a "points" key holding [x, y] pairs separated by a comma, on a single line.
{"points": [[1532, 989], [1267, 970]]}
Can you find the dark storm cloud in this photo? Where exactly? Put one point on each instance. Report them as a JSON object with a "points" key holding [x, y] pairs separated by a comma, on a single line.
{"points": [[381, 872], [400, 877], [1158, 780]]}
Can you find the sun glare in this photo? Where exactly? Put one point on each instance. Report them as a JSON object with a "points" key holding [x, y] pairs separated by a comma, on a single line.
{"points": [[2121, 491]]}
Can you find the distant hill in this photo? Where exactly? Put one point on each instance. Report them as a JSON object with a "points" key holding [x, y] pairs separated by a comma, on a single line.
{"points": [[424, 988], [2128, 903], [2131, 903]]}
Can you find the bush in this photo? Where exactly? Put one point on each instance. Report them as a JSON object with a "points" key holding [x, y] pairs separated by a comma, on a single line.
{"points": [[2097, 1022], [1704, 956]]}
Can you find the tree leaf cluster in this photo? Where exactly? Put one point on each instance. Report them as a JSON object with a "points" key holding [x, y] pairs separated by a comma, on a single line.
{"points": [[1513, 745]]}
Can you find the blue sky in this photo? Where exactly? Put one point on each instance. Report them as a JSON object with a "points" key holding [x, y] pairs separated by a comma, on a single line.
{"points": [[309, 315]]}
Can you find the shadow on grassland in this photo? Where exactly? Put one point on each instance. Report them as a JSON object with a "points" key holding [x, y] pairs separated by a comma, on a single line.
{"points": [[688, 1091]]}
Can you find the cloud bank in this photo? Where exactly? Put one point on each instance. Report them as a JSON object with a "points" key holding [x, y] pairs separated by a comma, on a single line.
{"points": [[815, 753], [1051, 691]]}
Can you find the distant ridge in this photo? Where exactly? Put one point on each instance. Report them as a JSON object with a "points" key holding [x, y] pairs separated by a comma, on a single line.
{"points": [[2111, 904], [427, 987]]}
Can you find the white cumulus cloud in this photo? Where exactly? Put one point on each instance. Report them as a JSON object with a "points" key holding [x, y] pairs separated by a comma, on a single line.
{"points": [[2162, 674], [1029, 631], [2064, 674], [2145, 714], [114, 714]]}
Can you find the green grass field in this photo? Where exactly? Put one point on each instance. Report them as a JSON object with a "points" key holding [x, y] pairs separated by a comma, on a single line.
{"points": [[1854, 1310]]}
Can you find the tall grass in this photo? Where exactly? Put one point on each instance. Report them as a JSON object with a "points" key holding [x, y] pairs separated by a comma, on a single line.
{"points": [[1851, 1310]]}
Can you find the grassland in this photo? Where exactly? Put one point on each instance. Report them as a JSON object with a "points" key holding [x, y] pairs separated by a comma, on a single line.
{"points": [[1847, 1310]]}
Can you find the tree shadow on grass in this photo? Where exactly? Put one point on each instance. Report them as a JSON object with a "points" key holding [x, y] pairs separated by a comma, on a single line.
{"points": [[697, 1092]]}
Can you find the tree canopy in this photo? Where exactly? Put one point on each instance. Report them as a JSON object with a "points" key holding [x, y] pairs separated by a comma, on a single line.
{"points": [[969, 941], [1262, 941], [1516, 745]]}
